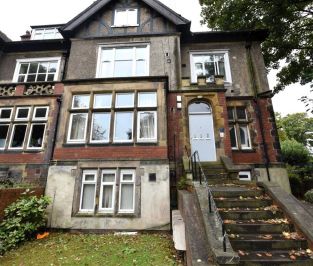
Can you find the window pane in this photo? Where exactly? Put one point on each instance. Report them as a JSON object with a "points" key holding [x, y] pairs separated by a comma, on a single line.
{"points": [[220, 64], [233, 139], [23, 68], [31, 78], [147, 99], [124, 100], [36, 138], [209, 71], [120, 18], [106, 69], [123, 68], [3, 134], [102, 101], [5, 113], [107, 197], [89, 177], [123, 127], [81, 101], [22, 113], [50, 77], [101, 126], [199, 70], [124, 53], [127, 200], [107, 54], [147, 125], [132, 17], [127, 177], [41, 77], [244, 137], [43, 67], [18, 136], [53, 67], [40, 112], [33, 68], [241, 113], [88, 197], [200, 107], [141, 53], [141, 68], [78, 127], [21, 78], [230, 112], [108, 177]]}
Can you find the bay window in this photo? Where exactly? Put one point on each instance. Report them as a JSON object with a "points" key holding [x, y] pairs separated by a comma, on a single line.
{"points": [[23, 127], [123, 61], [239, 128], [210, 64], [37, 69], [120, 122]]}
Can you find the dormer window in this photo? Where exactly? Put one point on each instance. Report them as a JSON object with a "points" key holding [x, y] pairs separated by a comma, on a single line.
{"points": [[126, 17], [46, 34]]}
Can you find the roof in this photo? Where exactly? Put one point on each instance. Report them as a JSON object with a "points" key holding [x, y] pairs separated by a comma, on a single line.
{"points": [[4, 38], [47, 26], [99, 4], [223, 36]]}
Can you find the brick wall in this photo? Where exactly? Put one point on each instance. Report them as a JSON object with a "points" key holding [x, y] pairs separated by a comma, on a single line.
{"points": [[8, 196]]}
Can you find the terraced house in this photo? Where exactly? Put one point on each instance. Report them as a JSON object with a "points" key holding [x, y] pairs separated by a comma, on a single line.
{"points": [[106, 110]]}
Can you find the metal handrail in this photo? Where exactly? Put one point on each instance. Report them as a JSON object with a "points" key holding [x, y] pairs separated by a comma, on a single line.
{"points": [[198, 174]]}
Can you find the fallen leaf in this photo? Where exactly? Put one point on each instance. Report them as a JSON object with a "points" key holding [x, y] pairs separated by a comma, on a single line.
{"points": [[292, 257], [259, 255], [241, 253], [267, 254]]}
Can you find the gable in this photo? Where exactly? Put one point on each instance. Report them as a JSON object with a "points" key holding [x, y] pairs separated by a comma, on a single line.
{"points": [[98, 19]]}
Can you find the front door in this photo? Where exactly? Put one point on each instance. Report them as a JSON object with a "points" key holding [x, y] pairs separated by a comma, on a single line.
{"points": [[201, 131]]}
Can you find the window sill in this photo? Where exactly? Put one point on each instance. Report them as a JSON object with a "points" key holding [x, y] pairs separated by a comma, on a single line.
{"points": [[124, 26], [105, 215], [244, 150]]}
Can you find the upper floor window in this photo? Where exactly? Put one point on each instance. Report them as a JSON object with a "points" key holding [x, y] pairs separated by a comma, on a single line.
{"points": [[46, 34], [239, 128], [124, 61], [126, 17], [36, 70], [23, 127], [117, 121], [210, 64]]}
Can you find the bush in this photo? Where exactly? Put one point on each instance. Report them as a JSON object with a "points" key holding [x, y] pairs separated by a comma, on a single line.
{"points": [[22, 220], [309, 196], [296, 186], [294, 153]]}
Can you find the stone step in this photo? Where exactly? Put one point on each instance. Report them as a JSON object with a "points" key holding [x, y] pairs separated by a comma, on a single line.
{"points": [[213, 182], [253, 242], [232, 192], [274, 258], [248, 215], [258, 228], [245, 203]]}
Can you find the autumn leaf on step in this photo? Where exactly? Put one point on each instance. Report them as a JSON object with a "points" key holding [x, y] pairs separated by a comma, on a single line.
{"points": [[229, 222], [309, 251], [259, 255], [266, 237], [241, 253], [232, 236], [286, 235], [267, 254], [292, 257]]}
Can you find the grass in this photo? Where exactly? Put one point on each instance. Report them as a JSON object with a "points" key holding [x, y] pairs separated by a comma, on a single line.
{"points": [[83, 249]]}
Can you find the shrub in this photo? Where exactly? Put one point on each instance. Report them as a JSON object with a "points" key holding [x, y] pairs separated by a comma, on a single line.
{"points": [[22, 220], [296, 186], [308, 196], [182, 183], [294, 153], [307, 183]]}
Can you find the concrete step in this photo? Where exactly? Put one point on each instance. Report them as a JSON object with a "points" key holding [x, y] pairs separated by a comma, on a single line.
{"points": [[232, 192], [248, 215], [258, 228], [213, 182], [253, 242], [274, 258], [246, 203]]}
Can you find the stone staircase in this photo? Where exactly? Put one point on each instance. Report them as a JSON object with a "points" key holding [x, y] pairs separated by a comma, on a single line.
{"points": [[214, 171], [257, 228]]}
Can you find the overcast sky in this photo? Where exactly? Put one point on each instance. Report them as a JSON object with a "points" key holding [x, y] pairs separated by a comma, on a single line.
{"points": [[16, 16]]}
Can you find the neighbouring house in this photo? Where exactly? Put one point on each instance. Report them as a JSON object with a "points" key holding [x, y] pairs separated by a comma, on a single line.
{"points": [[104, 110]]}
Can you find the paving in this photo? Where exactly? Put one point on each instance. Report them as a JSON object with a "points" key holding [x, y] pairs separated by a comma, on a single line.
{"points": [[258, 229]]}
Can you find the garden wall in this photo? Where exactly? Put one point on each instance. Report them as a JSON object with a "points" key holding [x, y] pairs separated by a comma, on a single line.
{"points": [[10, 195]]}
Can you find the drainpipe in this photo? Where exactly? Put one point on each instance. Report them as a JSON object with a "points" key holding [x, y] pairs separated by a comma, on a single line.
{"points": [[258, 110]]}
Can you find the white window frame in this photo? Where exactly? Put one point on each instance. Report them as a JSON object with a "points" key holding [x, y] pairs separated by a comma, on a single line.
{"points": [[80, 108], [134, 60], [126, 10], [102, 107], [132, 123], [30, 134], [236, 137], [84, 182], [40, 118], [12, 135], [69, 140], [6, 138], [43, 30], [6, 119], [109, 128], [125, 106], [155, 127], [22, 119], [113, 184], [248, 173], [147, 92], [248, 135], [39, 59], [133, 182], [227, 78]]}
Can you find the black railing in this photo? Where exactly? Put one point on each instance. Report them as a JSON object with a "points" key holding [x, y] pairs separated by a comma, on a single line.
{"points": [[199, 175]]}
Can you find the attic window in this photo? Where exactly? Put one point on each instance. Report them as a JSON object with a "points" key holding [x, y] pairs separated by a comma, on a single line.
{"points": [[126, 17], [46, 34]]}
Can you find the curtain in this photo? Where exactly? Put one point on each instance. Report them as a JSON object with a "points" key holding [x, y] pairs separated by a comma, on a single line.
{"points": [[88, 197], [147, 125], [107, 197], [127, 196]]}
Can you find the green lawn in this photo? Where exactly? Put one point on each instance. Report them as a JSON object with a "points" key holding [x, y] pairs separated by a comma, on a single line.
{"points": [[83, 249]]}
